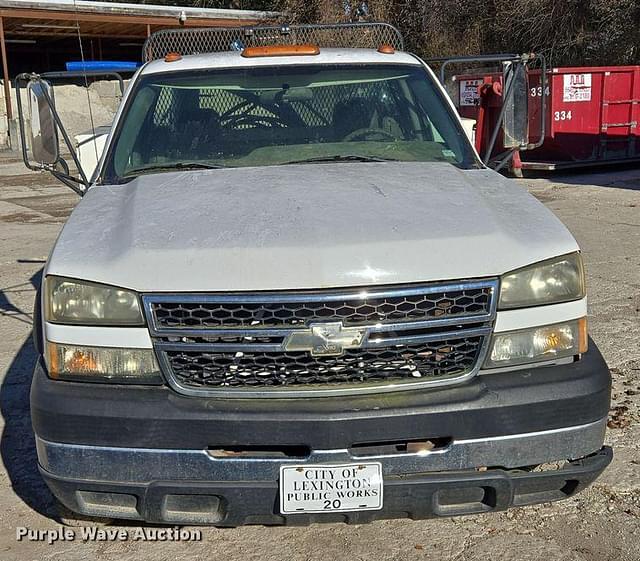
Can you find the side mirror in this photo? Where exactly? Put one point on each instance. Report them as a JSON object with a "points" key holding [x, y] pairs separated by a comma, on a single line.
{"points": [[43, 131], [516, 115]]}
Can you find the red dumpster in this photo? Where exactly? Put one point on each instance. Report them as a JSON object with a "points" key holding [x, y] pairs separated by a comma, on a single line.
{"points": [[592, 115]]}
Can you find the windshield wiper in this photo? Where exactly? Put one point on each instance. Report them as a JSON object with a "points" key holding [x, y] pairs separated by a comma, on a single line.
{"points": [[346, 158], [181, 166]]}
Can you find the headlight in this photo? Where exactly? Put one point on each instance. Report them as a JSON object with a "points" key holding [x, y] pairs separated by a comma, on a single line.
{"points": [[556, 280], [85, 303], [537, 344], [102, 364]]}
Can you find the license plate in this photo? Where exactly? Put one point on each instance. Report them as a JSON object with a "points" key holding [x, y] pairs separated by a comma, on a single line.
{"points": [[330, 488]]}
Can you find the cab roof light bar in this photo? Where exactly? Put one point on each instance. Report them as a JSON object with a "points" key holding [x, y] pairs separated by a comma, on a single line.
{"points": [[281, 50]]}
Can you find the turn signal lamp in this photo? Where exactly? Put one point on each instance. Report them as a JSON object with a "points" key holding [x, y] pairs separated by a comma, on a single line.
{"points": [[281, 50], [557, 338], [101, 364], [536, 344]]}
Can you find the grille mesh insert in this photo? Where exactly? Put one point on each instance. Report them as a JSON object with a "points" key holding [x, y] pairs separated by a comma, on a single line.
{"points": [[351, 310], [200, 369]]}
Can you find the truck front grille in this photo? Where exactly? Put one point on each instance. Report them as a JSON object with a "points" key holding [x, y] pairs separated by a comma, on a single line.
{"points": [[325, 342]]}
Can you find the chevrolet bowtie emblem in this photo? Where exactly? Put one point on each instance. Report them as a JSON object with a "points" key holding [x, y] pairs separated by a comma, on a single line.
{"points": [[325, 339]]}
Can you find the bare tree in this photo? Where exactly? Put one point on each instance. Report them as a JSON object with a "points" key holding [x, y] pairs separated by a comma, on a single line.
{"points": [[566, 31]]}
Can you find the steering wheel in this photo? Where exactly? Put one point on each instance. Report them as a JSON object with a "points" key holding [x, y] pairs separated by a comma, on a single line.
{"points": [[262, 121], [363, 133]]}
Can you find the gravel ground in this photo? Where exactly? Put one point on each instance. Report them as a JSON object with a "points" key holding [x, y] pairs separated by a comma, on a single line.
{"points": [[603, 523]]}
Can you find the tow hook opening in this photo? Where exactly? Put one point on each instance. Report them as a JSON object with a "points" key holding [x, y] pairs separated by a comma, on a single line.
{"points": [[286, 451], [422, 446]]}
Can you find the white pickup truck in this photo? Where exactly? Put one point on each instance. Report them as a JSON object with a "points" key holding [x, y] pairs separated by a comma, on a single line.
{"points": [[292, 293]]}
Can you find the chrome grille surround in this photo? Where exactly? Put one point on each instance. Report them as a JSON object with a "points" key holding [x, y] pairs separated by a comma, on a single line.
{"points": [[232, 360]]}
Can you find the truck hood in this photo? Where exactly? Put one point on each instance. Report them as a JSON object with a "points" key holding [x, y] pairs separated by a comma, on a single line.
{"points": [[305, 226]]}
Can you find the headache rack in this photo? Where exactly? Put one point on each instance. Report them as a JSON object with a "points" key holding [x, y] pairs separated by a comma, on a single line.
{"points": [[190, 41]]}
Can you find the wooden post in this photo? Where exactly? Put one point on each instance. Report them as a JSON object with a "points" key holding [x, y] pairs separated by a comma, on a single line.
{"points": [[5, 73], [146, 55]]}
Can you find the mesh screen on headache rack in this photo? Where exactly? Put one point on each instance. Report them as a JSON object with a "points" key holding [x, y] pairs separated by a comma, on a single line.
{"points": [[188, 41]]}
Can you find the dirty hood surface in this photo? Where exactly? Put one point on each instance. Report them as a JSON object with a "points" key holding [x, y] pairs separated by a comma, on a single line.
{"points": [[305, 226]]}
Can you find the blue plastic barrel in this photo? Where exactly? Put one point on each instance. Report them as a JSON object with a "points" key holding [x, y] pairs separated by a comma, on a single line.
{"points": [[106, 65]]}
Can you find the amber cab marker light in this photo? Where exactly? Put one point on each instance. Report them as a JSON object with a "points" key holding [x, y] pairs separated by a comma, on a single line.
{"points": [[386, 49], [281, 50], [172, 57]]}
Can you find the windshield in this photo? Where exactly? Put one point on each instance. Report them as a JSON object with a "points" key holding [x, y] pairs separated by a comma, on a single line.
{"points": [[285, 114]]}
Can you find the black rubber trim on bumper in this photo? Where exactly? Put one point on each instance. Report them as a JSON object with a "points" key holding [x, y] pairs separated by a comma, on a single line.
{"points": [[429, 495], [489, 405]]}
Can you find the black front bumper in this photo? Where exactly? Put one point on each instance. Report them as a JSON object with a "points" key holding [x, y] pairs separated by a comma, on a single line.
{"points": [[497, 407], [235, 503]]}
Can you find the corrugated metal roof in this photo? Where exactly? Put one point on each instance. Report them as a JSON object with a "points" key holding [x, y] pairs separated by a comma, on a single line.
{"points": [[122, 8]]}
